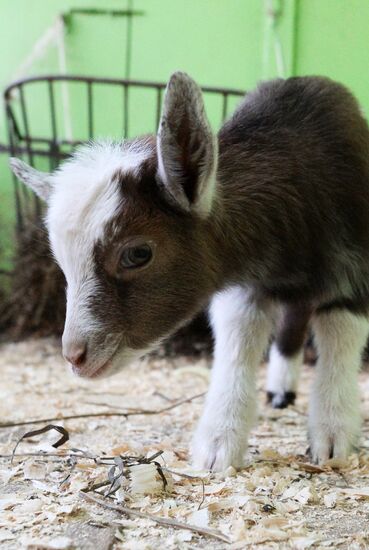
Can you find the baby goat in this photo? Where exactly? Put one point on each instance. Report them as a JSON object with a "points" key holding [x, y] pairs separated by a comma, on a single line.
{"points": [[269, 220]]}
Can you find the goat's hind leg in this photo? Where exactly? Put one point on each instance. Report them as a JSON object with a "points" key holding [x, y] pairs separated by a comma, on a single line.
{"points": [[282, 377], [334, 415], [286, 355]]}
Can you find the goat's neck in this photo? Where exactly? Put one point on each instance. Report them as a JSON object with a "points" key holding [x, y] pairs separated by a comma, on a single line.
{"points": [[236, 229]]}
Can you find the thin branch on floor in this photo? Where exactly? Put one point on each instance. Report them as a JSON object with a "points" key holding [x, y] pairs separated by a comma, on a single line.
{"points": [[110, 406], [204, 531], [165, 397], [41, 454], [138, 412]]}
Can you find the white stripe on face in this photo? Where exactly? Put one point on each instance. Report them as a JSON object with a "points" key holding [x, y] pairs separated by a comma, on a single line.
{"points": [[84, 200]]}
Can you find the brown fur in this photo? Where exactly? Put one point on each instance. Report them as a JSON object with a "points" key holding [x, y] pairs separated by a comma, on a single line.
{"points": [[291, 218], [150, 304]]}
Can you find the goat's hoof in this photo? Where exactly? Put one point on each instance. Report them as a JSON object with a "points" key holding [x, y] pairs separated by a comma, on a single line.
{"points": [[324, 446], [216, 452], [281, 400], [313, 455]]}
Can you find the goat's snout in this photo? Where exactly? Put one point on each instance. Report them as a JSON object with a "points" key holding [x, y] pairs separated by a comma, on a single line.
{"points": [[75, 353]]}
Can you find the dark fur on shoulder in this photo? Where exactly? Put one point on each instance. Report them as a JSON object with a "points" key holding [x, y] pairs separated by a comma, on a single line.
{"points": [[296, 156]]}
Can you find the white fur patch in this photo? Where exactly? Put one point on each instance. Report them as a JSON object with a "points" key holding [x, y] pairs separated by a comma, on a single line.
{"points": [[334, 415], [242, 330], [83, 201]]}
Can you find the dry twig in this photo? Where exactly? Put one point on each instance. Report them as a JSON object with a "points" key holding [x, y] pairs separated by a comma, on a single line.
{"points": [[137, 412], [204, 531]]}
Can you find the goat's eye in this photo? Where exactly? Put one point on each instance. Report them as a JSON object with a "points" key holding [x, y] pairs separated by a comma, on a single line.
{"points": [[136, 256]]}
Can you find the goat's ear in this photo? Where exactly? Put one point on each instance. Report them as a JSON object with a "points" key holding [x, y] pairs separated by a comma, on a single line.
{"points": [[39, 182], [187, 148]]}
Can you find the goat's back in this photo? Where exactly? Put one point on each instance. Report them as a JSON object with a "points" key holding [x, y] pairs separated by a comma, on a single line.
{"points": [[294, 162]]}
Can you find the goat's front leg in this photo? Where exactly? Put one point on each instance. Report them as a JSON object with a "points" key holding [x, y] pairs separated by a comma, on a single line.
{"points": [[334, 416], [242, 327]]}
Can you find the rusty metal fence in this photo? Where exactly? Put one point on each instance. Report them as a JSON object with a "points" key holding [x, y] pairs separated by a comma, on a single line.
{"points": [[24, 143]]}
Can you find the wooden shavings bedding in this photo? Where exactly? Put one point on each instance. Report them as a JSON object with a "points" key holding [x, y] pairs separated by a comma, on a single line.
{"points": [[279, 500]]}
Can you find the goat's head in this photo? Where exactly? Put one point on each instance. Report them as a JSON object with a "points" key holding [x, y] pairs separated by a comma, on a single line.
{"points": [[128, 226]]}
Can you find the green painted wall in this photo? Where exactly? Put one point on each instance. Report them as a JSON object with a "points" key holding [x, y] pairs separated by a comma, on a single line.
{"points": [[332, 38], [230, 43]]}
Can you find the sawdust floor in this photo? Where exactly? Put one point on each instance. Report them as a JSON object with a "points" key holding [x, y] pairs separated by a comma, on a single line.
{"points": [[277, 501]]}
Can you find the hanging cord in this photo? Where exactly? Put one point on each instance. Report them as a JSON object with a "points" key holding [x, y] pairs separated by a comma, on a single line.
{"points": [[273, 17], [53, 36], [40, 47], [62, 57]]}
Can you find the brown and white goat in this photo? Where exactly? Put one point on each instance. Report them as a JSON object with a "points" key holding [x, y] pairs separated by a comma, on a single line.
{"points": [[269, 220]]}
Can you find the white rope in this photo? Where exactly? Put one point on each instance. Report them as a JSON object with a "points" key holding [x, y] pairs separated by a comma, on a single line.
{"points": [[53, 36], [272, 28], [38, 51], [266, 43], [62, 57], [278, 52]]}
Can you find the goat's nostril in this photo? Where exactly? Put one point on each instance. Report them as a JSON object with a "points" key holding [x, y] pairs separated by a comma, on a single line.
{"points": [[76, 355]]}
